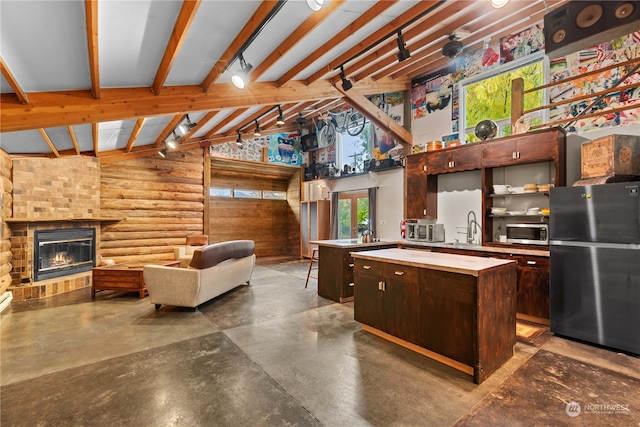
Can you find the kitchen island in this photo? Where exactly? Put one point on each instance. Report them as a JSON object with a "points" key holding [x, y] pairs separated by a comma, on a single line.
{"points": [[335, 266], [457, 309]]}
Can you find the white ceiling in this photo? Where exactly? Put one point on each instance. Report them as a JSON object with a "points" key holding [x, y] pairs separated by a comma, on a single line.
{"points": [[45, 47]]}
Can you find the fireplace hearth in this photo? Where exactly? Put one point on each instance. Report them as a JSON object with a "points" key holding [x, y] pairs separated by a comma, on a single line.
{"points": [[63, 252]]}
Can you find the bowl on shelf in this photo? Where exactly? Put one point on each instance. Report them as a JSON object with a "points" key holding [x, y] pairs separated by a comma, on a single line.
{"points": [[530, 188], [501, 189], [543, 188], [517, 212], [498, 210]]}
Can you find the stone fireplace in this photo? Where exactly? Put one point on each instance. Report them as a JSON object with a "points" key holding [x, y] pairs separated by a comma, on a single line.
{"points": [[52, 256]]}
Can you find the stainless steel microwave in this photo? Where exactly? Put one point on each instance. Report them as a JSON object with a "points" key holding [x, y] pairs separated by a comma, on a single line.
{"points": [[426, 232], [528, 234]]}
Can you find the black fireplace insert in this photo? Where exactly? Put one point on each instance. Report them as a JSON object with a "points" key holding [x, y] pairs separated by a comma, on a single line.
{"points": [[63, 252]]}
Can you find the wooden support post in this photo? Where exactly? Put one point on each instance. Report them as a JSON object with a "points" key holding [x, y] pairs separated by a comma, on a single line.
{"points": [[517, 99]]}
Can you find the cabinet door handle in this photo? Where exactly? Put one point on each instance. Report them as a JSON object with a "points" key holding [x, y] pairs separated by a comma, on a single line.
{"points": [[350, 265], [514, 155], [382, 286], [424, 212], [351, 284], [424, 168], [366, 267], [531, 263], [518, 155], [399, 273]]}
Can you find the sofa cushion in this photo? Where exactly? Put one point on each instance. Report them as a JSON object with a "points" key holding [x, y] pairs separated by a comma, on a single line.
{"points": [[214, 254]]}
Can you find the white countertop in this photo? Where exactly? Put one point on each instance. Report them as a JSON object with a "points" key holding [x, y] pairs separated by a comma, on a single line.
{"points": [[463, 264], [351, 243], [357, 243]]}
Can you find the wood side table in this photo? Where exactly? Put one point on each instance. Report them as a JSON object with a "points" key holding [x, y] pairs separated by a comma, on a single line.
{"points": [[124, 277]]}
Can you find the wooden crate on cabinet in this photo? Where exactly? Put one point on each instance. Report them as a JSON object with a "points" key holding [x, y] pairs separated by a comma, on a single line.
{"points": [[315, 220]]}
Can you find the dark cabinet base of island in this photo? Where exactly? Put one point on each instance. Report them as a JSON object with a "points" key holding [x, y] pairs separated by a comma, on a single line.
{"points": [[456, 309]]}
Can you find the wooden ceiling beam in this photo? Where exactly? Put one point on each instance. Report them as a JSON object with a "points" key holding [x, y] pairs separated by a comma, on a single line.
{"points": [[231, 117], [430, 60], [134, 134], [49, 142], [175, 121], [357, 24], [360, 102], [96, 138], [374, 38], [225, 59], [295, 37], [91, 18], [8, 75], [74, 140], [420, 32], [180, 29], [52, 109]]}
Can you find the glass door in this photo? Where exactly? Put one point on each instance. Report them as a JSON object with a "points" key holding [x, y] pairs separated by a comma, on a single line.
{"points": [[353, 215]]}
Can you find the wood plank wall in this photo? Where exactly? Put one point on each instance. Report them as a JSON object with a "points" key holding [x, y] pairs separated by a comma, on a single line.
{"points": [[160, 201], [6, 191], [272, 224]]}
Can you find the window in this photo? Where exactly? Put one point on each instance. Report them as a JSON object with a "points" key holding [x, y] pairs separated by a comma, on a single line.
{"points": [[354, 150], [488, 96], [274, 195], [220, 192], [246, 194]]}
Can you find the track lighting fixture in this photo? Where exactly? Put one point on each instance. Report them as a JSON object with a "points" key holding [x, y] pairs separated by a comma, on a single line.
{"points": [[171, 143], [183, 127], [280, 119], [315, 5], [163, 152], [241, 77], [403, 51], [346, 84], [239, 140], [257, 131]]}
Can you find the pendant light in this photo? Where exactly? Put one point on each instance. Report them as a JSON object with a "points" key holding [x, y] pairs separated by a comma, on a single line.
{"points": [[257, 131]]}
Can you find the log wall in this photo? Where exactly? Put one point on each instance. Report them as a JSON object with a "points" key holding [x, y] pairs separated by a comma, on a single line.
{"points": [[273, 224], [160, 201], [6, 191]]}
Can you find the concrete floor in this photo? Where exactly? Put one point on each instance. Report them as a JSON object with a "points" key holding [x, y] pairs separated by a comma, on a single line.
{"points": [[274, 353]]}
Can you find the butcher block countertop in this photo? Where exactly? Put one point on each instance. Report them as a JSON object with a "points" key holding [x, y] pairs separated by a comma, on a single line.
{"points": [[463, 264]]}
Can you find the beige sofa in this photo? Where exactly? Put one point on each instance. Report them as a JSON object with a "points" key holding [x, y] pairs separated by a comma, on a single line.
{"points": [[214, 269], [184, 253]]}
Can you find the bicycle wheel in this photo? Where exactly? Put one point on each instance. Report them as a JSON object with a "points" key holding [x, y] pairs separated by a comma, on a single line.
{"points": [[327, 135], [355, 124]]}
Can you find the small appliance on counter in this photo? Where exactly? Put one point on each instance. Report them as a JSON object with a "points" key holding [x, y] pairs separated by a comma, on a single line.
{"points": [[425, 230]]}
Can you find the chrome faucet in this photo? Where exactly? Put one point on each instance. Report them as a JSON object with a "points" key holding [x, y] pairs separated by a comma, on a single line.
{"points": [[471, 226]]}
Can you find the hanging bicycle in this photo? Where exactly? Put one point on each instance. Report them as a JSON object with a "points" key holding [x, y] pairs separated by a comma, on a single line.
{"points": [[330, 124]]}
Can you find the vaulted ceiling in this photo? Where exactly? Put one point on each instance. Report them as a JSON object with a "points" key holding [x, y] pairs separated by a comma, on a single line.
{"points": [[112, 78]]}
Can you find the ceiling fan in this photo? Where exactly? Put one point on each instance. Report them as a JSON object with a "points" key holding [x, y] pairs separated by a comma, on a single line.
{"points": [[454, 46]]}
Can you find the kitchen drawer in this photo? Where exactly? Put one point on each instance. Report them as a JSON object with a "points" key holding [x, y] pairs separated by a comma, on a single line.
{"points": [[403, 273], [370, 268]]}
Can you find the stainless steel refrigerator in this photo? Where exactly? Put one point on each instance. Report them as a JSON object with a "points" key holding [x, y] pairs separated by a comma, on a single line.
{"points": [[595, 264]]}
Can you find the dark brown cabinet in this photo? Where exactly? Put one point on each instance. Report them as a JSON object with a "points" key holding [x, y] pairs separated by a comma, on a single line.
{"points": [[463, 318], [387, 297], [532, 291], [335, 269], [525, 148], [416, 186], [457, 159]]}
